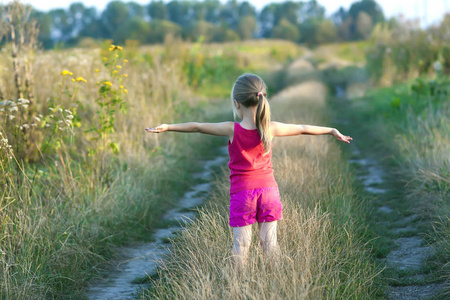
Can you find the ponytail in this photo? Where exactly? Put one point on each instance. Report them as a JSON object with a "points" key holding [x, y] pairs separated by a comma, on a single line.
{"points": [[263, 121]]}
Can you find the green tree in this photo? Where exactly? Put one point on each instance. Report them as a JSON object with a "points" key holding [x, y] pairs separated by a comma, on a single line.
{"points": [[133, 29], [246, 27], [157, 10], [136, 10], [114, 16], [364, 25], [286, 30], [162, 28], [326, 32]]}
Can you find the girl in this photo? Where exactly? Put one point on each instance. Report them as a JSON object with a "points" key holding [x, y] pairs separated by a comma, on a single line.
{"points": [[254, 195]]}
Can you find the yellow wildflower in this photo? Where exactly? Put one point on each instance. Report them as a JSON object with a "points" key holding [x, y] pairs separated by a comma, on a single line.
{"points": [[107, 83], [114, 47], [121, 86], [66, 72], [115, 72], [125, 75], [117, 55], [98, 82], [97, 70], [125, 91], [119, 67], [125, 60], [105, 58], [73, 79], [81, 79]]}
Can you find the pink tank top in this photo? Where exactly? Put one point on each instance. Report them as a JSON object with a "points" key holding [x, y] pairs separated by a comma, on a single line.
{"points": [[250, 168]]}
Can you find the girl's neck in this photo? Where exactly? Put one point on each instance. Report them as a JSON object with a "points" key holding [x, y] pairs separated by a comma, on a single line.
{"points": [[248, 118]]}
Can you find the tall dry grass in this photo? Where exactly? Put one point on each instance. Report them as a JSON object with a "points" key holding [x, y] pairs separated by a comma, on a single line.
{"points": [[320, 236]]}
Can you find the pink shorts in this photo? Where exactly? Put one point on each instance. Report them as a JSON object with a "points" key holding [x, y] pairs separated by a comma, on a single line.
{"points": [[258, 205]]}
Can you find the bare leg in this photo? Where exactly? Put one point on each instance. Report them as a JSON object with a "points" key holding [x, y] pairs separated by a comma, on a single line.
{"points": [[241, 244], [268, 237]]}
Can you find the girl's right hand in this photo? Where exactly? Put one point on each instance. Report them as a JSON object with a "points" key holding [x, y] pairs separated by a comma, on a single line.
{"points": [[157, 129]]}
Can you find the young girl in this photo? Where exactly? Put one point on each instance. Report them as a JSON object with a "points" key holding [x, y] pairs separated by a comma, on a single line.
{"points": [[254, 195]]}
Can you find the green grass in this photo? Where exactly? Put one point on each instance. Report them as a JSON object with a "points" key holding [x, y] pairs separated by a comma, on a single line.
{"points": [[405, 127]]}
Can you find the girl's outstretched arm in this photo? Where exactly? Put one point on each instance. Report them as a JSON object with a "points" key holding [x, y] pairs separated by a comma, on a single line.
{"points": [[221, 129], [281, 129]]}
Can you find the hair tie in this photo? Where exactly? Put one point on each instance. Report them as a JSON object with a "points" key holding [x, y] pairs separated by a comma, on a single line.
{"points": [[260, 93]]}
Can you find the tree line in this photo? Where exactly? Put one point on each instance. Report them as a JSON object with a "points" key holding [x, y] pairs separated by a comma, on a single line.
{"points": [[297, 21]]}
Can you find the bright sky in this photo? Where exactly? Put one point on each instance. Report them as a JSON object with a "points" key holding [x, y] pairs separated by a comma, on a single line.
{"points": [[429, 11]]}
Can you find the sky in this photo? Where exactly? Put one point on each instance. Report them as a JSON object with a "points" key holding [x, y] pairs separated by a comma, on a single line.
{"points": [[428, 11]]}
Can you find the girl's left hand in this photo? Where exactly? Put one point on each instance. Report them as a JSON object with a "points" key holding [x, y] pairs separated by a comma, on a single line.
{"points": [[340, 137], [158, 129]]}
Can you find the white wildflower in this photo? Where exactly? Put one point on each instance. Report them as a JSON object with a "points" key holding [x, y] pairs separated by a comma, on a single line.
{"points": [[25, 105], [70, 117], [33, 124], [25, 125], [40, 171], [14, 108], [60, 109], [4, 102], [37, 119], [68, 122], [68, 111], [11, 117], [437, 66], [2, 109], [25, 101], [47, 125], [40, 116], [50, 108]]}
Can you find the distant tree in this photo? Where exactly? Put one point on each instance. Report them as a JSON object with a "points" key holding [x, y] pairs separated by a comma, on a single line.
{"points": [[178, 12], [230, 14], [157, 10], [133, 29], [61, 24], [267, 20], [113, 17], [370, 7], [345, 29], [224, 34], [136, 10], [200, 28], [162, 28], [210, 10], [339, 16], [246, 9], [326, 32], [246, 27], [364, 25], [286, 30], [45, 28]]}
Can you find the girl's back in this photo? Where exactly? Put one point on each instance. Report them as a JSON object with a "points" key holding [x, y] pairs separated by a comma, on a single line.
{"points": [[250, 165]]}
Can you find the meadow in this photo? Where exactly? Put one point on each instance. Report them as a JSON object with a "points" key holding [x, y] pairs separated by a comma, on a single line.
{"points": [[79, 176], [321, 236]]}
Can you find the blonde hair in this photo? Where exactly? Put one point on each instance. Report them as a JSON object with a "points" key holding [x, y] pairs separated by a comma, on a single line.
{"points": [[250, 90]]}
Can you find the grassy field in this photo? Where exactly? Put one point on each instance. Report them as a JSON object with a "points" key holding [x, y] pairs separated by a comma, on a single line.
{"points": [[321, 236], [68, 201], [409, 132]]}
